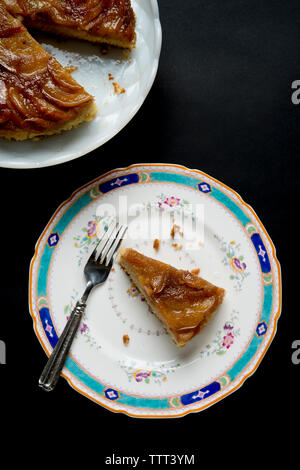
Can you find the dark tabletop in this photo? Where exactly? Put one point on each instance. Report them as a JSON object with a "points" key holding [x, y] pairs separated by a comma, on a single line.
{"points": [[221, 102]]}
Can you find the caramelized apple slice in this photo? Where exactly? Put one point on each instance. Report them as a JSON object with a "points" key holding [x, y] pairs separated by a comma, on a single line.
{"points": [[61, 77], [61, 98], [38, 123], [21, 103], [48, 110]]}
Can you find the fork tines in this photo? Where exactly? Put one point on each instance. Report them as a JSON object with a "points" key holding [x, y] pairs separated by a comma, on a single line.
{"points": [[107, 256], [109, 244]]}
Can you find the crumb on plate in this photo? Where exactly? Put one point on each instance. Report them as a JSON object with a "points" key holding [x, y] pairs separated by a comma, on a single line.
{"points": [[176, 246], [126, 339], [118, 89], [156, 244], [71, 68], [174, 229]]}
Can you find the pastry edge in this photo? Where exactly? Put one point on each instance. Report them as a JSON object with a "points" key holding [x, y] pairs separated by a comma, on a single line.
{"points": [[89, 114], [78, 34]]}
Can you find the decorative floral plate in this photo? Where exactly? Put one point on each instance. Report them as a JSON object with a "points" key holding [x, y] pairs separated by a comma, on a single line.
{"points": [[133, 71], [216, 231]]}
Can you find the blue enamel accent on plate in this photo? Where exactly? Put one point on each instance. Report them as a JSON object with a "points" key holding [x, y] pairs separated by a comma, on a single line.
{"points": [[198, 395], [117, 182], [204, 187], [261, 328], [261, 252], [111, 394], [48, 326], [53, 239]]}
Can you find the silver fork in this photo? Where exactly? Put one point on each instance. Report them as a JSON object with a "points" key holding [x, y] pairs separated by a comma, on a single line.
{"points": [[96, 272]]}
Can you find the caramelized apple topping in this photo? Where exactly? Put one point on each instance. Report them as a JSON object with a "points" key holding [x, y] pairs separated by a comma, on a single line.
{"points": [[35, 90]]}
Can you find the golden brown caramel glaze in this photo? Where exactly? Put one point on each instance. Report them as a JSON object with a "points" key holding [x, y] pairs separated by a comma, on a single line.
{"points": [[183, 300], [37, 95], [111, 20]]}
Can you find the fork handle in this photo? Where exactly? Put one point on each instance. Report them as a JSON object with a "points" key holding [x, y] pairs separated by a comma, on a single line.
{"points": [[55, 364]]}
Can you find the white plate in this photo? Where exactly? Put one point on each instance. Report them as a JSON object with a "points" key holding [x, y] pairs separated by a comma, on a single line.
{"points": [[151, 377], [135, 71]]}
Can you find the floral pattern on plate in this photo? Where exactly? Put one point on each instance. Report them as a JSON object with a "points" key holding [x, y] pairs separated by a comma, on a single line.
{"points": [[225, 338], [84, 329], [157, 376], [235, 261]]}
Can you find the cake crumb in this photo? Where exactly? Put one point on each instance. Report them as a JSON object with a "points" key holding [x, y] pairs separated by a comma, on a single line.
{"points": [[174, 229], [110, 77], [118, 89], [195, 271], [156, 244], [71, 68], [126, 339], [176, 246]]}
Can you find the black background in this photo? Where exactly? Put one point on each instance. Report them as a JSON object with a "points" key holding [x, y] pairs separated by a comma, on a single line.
{"points": [[221, 102]]}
